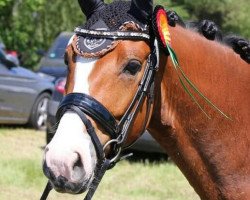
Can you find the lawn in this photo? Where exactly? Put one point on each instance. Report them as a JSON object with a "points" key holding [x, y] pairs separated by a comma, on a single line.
{"points": [[21, 177]]}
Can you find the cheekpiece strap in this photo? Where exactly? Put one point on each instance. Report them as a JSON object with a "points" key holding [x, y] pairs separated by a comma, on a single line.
{"points": [[124, 35]]}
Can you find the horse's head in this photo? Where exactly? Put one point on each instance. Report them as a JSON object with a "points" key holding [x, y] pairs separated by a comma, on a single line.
{"points": [[110, 77]]}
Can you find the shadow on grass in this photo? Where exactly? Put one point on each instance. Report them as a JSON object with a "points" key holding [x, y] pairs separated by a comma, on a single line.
{"points": [[146, 157], [14, 126]]}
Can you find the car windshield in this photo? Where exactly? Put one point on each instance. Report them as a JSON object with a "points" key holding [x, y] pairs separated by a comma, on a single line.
{"points": [[58, 49]]}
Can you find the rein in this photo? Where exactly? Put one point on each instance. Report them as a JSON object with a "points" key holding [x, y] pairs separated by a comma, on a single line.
{"points": [[83, 104]]}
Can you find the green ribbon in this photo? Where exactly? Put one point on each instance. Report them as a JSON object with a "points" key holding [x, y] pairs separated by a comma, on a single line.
{"points": [[184, 79]]}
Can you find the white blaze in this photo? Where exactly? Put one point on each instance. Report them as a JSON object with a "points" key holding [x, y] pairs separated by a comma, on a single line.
{"points": [[82, 71], [71, 135], [71, 39]]}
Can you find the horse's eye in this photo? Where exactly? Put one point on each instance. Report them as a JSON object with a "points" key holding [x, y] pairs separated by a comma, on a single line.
{"points": [[132, 67]]}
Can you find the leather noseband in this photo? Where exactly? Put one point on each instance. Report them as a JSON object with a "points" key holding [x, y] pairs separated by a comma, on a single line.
{"points": [[90, 107]]}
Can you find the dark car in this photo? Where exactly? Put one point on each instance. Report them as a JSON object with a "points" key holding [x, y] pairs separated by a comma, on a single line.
{"points": [[53, 61], [53, 64], [24, 95]]}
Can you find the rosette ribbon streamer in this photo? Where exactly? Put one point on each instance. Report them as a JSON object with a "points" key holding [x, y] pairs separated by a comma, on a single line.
{"points": [[161, 30]]}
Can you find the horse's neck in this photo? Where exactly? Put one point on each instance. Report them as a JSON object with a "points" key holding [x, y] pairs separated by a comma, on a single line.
{"points": [[202, 147], [218, 72]]}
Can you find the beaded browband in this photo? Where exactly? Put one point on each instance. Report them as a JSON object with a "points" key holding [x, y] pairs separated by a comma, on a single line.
{"points": [[112, 34]]}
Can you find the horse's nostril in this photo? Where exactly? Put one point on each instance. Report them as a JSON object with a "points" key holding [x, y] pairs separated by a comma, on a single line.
{"points": [[78, 164], [78, 168]]}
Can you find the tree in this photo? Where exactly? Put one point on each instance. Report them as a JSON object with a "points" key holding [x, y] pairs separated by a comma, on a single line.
{"points": [[177, 7], [231, 15], [237, 19], [30, 25], [27, 26]]}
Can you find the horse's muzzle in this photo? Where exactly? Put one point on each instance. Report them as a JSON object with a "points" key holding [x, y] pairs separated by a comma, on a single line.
{"points": [[62, 184]]}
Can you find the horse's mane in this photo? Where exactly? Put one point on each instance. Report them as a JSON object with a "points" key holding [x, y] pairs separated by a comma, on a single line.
{"points": [[216, 49], [211, 31], [217, 71]]}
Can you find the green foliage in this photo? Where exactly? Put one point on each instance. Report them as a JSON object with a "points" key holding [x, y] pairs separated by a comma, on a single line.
{"points": [[27, 26], [172, 5], [231, 15], [237, 18], [201, 9], [30, 25]]}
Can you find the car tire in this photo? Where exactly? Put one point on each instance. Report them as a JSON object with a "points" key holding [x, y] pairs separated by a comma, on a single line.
{"points": [[38, 116]]}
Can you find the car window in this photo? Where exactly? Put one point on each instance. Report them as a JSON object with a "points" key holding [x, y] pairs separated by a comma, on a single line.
{"points": [[58, 49]]}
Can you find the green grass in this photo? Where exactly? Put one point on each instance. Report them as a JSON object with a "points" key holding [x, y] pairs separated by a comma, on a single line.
{"points": [[21, 174]]}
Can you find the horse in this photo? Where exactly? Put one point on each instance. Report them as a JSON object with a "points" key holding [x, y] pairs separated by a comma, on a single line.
{"points": [[120, 83]]}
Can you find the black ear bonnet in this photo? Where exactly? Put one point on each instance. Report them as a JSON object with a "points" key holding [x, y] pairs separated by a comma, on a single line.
{"points": [[113, 16], [110, 17]]}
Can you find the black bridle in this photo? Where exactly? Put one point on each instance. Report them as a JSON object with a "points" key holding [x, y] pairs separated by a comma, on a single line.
{"points": [[83, 105]]}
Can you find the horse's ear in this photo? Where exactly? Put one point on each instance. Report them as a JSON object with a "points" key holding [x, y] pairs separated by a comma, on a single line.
{"points": [[88, 7], [142, 9]]}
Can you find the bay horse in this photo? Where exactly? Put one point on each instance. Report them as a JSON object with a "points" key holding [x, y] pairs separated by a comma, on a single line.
{"points": [[109, 62]]}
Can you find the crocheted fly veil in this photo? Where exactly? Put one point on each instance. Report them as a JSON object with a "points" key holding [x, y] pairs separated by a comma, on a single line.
{"points": [[119, 15]]}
